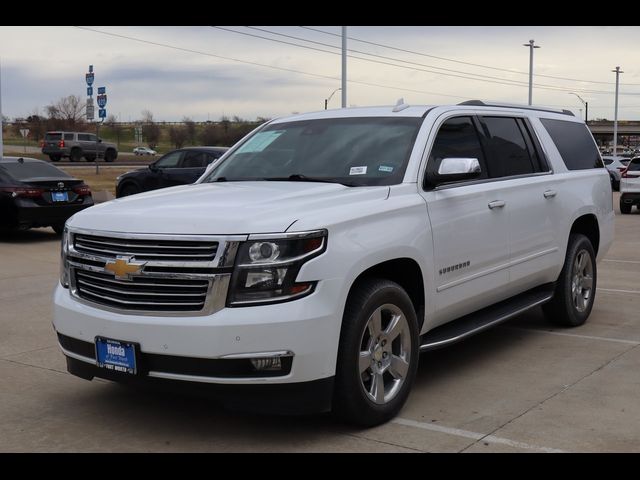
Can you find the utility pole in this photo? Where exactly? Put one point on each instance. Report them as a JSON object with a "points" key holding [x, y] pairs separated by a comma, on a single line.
{"points": [[615, 114], [531, 47], [586, 106], [344, 67]]}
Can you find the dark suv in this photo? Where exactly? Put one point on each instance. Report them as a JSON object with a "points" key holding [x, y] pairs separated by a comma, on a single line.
{"points": [[75, 145], [179, 167]]}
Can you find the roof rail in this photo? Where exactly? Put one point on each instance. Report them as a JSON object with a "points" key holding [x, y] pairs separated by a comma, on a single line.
{"points": [[480, 103]]}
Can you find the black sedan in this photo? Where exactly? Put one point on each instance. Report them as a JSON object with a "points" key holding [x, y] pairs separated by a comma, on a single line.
{"points": [[34, 193], [179, 167]]}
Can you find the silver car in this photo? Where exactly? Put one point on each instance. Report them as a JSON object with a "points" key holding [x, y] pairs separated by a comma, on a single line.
{"points": [[615, 165]]}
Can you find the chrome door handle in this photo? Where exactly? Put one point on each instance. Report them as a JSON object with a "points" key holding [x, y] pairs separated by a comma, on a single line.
{"points": [[497, 204], [549, 194]]}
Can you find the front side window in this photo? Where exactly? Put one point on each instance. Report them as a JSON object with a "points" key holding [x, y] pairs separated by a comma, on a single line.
{"points": [[456, 138], [68, 136], [353, 151], [507, 151], [170, 160]]}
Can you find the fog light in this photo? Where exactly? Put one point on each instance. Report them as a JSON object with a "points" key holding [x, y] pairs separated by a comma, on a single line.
{"points": [[272, 363]]}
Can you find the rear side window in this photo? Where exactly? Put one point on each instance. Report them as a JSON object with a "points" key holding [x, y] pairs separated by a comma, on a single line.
{"points": [[507, 151], [634, 165], [54, 137], [457, 138], [68, 136], [194, 160], [575, 144]]}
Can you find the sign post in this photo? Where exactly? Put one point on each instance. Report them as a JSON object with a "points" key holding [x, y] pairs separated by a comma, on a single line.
{"points": [[101, 99], [25, 133]]}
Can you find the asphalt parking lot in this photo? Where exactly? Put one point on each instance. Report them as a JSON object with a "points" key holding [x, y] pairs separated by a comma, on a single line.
{"points": [[521, 387]]}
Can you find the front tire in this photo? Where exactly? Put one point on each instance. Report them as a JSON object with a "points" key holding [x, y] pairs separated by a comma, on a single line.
{"points": [[129, 189], [377, 355], [75, 155], [575, 291], [110, 156], [59, 228]]}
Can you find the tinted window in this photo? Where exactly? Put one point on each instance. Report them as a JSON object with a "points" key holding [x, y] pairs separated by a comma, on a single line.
{"points": [[507, 152], [355, 151], [457, 138], [53, 136], [84, 137], [574, 142], [28, 170], [194, 160], [634, 166], [211, 157], [170, 160], [68, 136]]}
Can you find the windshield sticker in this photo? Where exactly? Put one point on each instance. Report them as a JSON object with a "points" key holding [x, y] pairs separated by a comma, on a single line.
{"points": [[358, 170], [260, 141], [384, 168]]}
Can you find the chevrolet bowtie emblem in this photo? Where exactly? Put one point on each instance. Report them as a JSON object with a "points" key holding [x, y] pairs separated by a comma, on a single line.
{"points": [[123, 267]]}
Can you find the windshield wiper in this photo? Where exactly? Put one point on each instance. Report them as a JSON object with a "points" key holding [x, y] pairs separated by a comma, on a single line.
{"points": [[298, 177]]}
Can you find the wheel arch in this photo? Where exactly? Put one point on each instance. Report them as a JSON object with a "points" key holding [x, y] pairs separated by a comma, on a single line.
{"points": [[588, 226]]}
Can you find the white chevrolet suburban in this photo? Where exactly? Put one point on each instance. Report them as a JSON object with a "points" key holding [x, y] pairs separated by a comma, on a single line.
{"points": [[308, 268]]}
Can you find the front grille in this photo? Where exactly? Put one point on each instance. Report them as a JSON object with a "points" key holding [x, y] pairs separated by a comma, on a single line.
{"points": [[142, 293], [146, 249], [178, 275]]}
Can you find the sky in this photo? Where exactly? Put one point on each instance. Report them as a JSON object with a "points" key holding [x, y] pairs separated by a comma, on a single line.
{"points": [[205, 72]]}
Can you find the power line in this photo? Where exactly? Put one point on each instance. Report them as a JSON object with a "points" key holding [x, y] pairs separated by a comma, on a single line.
{"points": [[462, 62], [327, 77], [489, 79]]}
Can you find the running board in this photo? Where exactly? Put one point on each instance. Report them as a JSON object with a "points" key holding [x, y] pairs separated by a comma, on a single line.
{"points": [[481, 320]]}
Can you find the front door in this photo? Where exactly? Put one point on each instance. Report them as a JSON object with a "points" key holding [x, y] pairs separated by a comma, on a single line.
{"points": [[469, 226]]}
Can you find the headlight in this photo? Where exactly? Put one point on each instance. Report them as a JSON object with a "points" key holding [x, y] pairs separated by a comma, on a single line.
{"points": [[64, 264], [266, 268]]}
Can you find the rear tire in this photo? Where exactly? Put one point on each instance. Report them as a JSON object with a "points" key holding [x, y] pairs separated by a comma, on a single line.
{"points": [[377, 355], [625, 207], [576, 287]]}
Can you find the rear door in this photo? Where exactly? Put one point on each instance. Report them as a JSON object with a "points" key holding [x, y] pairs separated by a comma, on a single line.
{"points": [[516, 161]]}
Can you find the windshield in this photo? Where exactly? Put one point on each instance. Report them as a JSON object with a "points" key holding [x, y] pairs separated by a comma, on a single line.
{"points": [[28, 170], [351, 151]]}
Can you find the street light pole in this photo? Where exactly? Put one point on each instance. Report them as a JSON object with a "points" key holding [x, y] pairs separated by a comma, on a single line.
{"points": [[326, 100], [344, 67], [615, 114], [531, 47], [586, 106]]}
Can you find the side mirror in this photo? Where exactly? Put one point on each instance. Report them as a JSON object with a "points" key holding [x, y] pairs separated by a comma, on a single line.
{"points": [[153, 168], [455, 169], [99, 140]]}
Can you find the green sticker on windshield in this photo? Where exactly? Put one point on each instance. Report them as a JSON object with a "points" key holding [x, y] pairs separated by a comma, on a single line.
{"points": [[260, 141]]}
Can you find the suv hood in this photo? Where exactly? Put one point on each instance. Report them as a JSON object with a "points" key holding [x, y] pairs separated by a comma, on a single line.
{"points": [[222, 208]]}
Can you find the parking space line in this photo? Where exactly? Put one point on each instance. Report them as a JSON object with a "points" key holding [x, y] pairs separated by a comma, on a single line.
{"points": [[586, 337], [473, 435], [614, 290], [621, 261]]}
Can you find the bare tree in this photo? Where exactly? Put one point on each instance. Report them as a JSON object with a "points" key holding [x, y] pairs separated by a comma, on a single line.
{"points": [[68, 110], [150, 130], [178, 135], [190, 127], [112, 123]]}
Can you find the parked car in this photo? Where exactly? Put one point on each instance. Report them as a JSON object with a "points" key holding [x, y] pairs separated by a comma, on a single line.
{"points": [[75, 145], [615, 165], [630, 186], [144, 151], [34, 193], [309, 267], [178, 167]]}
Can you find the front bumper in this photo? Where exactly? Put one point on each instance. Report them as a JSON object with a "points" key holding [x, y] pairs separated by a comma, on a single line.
{"points": [[308, 327]]}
